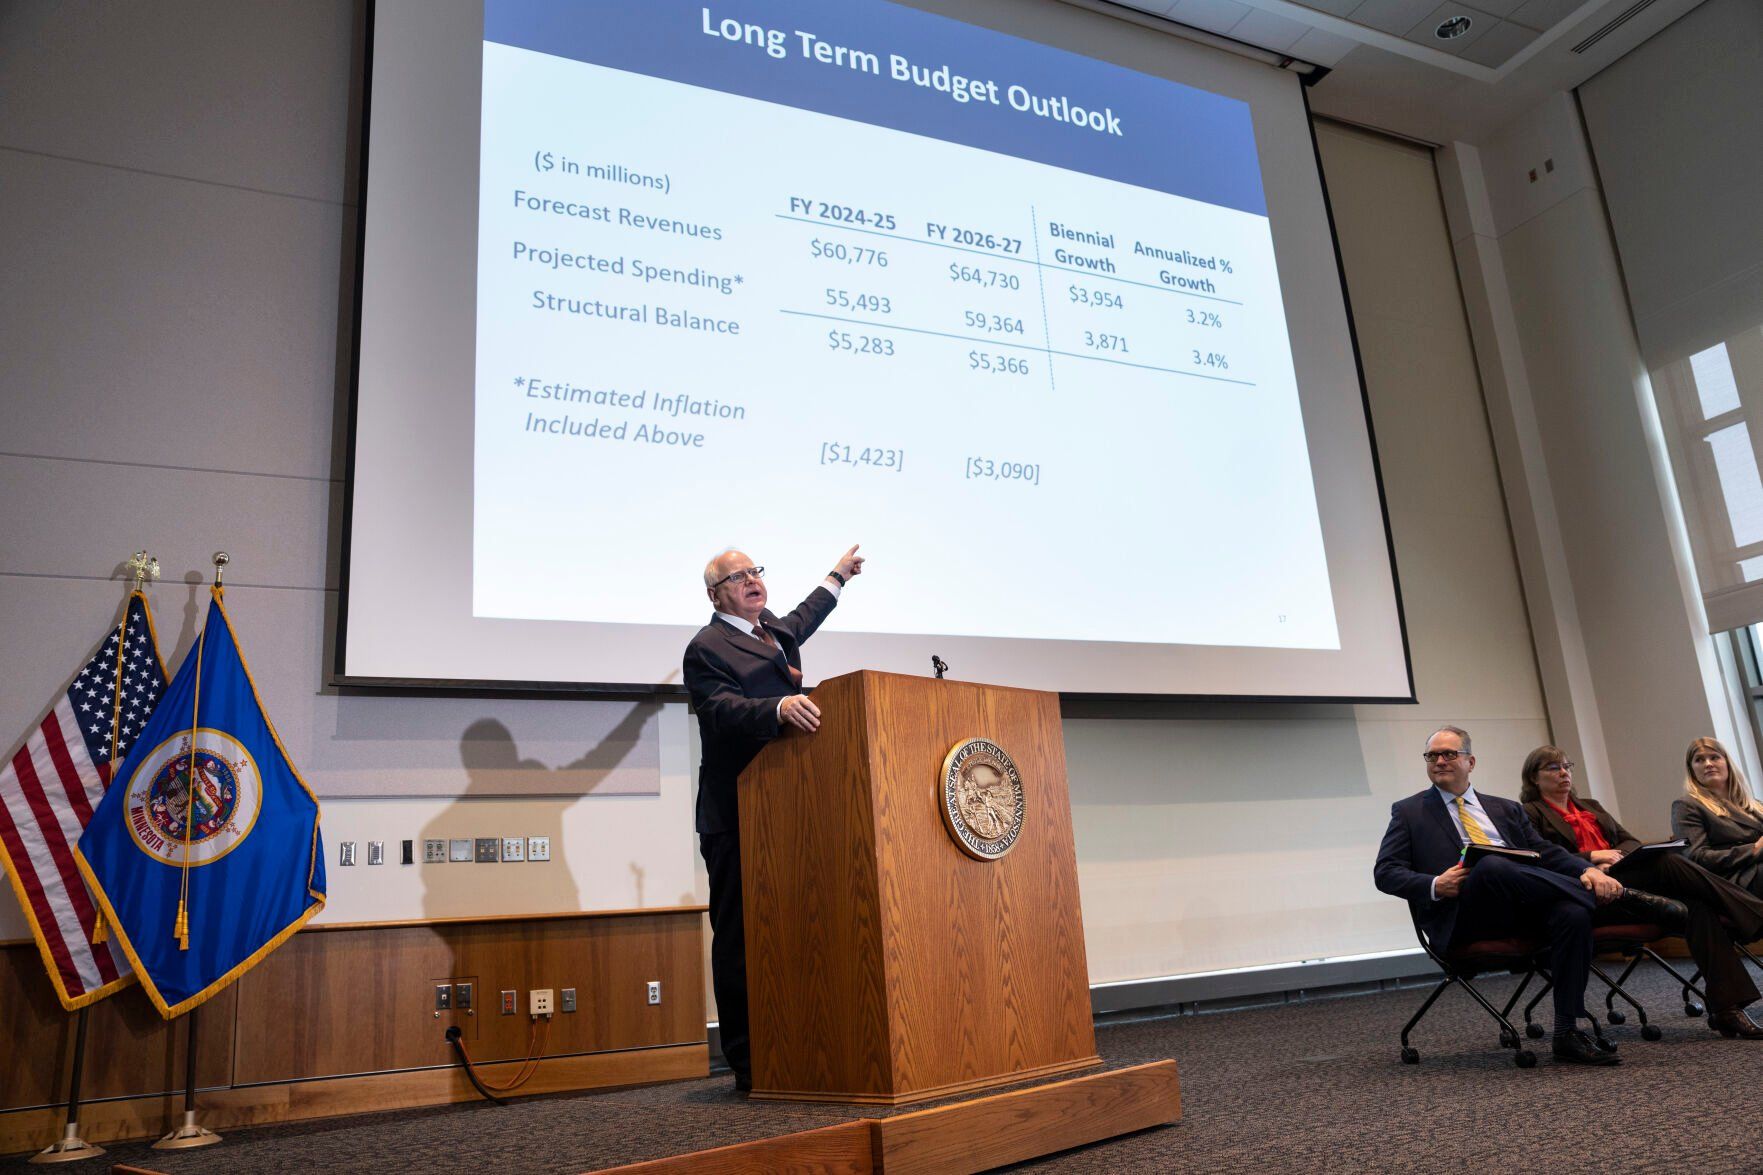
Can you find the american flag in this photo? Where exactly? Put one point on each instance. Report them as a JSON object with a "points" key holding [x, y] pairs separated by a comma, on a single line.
{"points": [[49, 788]]}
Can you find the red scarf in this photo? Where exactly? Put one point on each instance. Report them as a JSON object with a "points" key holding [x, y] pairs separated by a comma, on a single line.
{"points": [[1584, 825]]}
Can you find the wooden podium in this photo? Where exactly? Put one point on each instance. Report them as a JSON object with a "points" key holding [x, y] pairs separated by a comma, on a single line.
{"points": [[885, 965]]}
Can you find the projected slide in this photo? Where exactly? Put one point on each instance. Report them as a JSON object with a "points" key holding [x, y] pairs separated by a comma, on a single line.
{"points": [[787, 276]]}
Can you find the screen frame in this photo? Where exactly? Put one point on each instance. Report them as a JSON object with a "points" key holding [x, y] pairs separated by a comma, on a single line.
{"points": [[339, 679]]}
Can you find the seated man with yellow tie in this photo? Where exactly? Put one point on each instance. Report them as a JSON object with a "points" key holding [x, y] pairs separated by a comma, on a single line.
{"points": [[1552, 898]]}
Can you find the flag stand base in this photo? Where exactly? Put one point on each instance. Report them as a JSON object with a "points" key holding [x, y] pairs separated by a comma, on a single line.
{"points": [[187, 1135], [70, 1149]]}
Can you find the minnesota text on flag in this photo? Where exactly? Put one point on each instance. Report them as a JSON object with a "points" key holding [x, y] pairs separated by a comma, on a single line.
{"points": [[52, 784], [208, 818]]}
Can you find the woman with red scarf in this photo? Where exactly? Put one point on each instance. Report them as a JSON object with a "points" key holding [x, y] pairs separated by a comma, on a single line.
{"points": [[1583, 826]]}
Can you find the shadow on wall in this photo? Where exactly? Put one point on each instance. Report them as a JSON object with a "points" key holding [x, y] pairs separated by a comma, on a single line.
{"points": [[495, 769], [1216, 758]]}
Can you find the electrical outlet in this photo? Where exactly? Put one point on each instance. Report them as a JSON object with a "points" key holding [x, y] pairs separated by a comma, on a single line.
{"points": [[566, 999], [407, 852], [434, 852], [346, 853], [459, 850], [376, 852], [443, 997], [487, 848], [654, 991], [538, 848], [538, 1001], [508, 999], [462, 996], [514, 848]]}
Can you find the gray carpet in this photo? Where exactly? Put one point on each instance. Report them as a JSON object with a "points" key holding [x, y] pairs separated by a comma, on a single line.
{"points": [[1312, 1086]]}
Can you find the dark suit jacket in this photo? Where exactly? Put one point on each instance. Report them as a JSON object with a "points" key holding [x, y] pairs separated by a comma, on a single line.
{"points": [[1720, 844], [1422, 842], [1550, 824], [736, 680]]}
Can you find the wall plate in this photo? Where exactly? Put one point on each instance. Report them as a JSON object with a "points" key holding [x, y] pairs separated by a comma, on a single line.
{"points": [[538, 848], [487, 848], [376, 852], [459, 850], [434, 852], [346, 853], [514, 848]]}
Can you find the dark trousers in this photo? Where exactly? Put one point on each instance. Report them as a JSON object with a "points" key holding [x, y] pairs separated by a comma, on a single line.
{"points": [[1709, 898], [1501, 899], [728, 947]]}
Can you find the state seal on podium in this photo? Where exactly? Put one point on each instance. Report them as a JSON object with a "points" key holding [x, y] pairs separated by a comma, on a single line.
{"points": [[981, 798]]}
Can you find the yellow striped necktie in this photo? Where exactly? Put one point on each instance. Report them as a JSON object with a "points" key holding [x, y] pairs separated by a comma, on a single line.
{"points": [[1471, 828]]}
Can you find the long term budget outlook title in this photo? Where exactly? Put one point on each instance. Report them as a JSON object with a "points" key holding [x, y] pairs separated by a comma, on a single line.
{"points": [[776, 44]]}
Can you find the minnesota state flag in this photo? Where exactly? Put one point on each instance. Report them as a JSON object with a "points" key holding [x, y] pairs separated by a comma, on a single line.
{"points": [[205, 853]]}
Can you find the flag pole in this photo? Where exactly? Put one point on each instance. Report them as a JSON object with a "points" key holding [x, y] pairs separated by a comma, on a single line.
{"points": [[144, 567], [189, 1134], [72, 1147], [181, 928]]}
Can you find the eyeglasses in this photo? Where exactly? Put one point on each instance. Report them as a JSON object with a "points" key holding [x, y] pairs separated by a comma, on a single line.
{"points": [[1441, 756], [741, 576], [1563, 765]]}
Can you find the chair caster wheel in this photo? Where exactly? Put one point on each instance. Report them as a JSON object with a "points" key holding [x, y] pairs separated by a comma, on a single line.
{"points": [[1534, 1030], [1691, 1008], [1410, 1056], [1526, 1059], [1508, 1040], [1650, 1032], [1616, 1017]]}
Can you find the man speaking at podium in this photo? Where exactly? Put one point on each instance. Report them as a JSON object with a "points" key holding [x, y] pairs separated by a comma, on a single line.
{"points": [[744, 671]]}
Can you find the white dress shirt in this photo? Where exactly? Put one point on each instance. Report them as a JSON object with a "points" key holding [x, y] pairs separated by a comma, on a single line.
{"points": [[1473, 803]]}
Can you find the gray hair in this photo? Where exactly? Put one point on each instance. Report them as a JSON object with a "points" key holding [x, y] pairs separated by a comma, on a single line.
{"points": [[710, 569], [1462, 735]]}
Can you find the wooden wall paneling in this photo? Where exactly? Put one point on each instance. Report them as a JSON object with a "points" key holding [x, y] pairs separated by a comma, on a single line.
{"points": [[130, 1048], [362, 1001], [352, 1002]]}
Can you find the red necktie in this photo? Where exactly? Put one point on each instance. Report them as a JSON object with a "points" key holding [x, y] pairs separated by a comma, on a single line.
{"points": [[795, 674]]}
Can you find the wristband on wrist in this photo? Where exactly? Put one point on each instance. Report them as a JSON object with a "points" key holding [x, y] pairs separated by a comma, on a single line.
{"points": [[834, 575]]}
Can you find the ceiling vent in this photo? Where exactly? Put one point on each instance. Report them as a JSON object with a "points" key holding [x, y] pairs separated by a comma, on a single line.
{"points": [[1621, 19]]}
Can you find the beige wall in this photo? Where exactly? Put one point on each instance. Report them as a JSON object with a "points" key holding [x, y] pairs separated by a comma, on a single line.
{"points": [[1232, 836], [1631, 673], [182, 206]]}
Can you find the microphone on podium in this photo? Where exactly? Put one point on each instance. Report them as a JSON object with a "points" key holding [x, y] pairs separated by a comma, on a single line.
{"points": [[940, 665]]}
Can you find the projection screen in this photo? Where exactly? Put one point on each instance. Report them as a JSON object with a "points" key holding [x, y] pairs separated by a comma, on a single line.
{"points": [[1040, 307]]}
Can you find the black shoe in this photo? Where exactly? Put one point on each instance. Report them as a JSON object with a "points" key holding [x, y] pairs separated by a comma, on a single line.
{"points": [[743, 1083], [1577, 1049], [1734, 1024], [1673, 915]]}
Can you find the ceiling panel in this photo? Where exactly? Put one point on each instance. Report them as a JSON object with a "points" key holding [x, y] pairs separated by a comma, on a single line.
{"points": [[1500, 45], [1215, 16], [1544, 14], [1323, 48], [1391, 16], [1278, 33]]}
